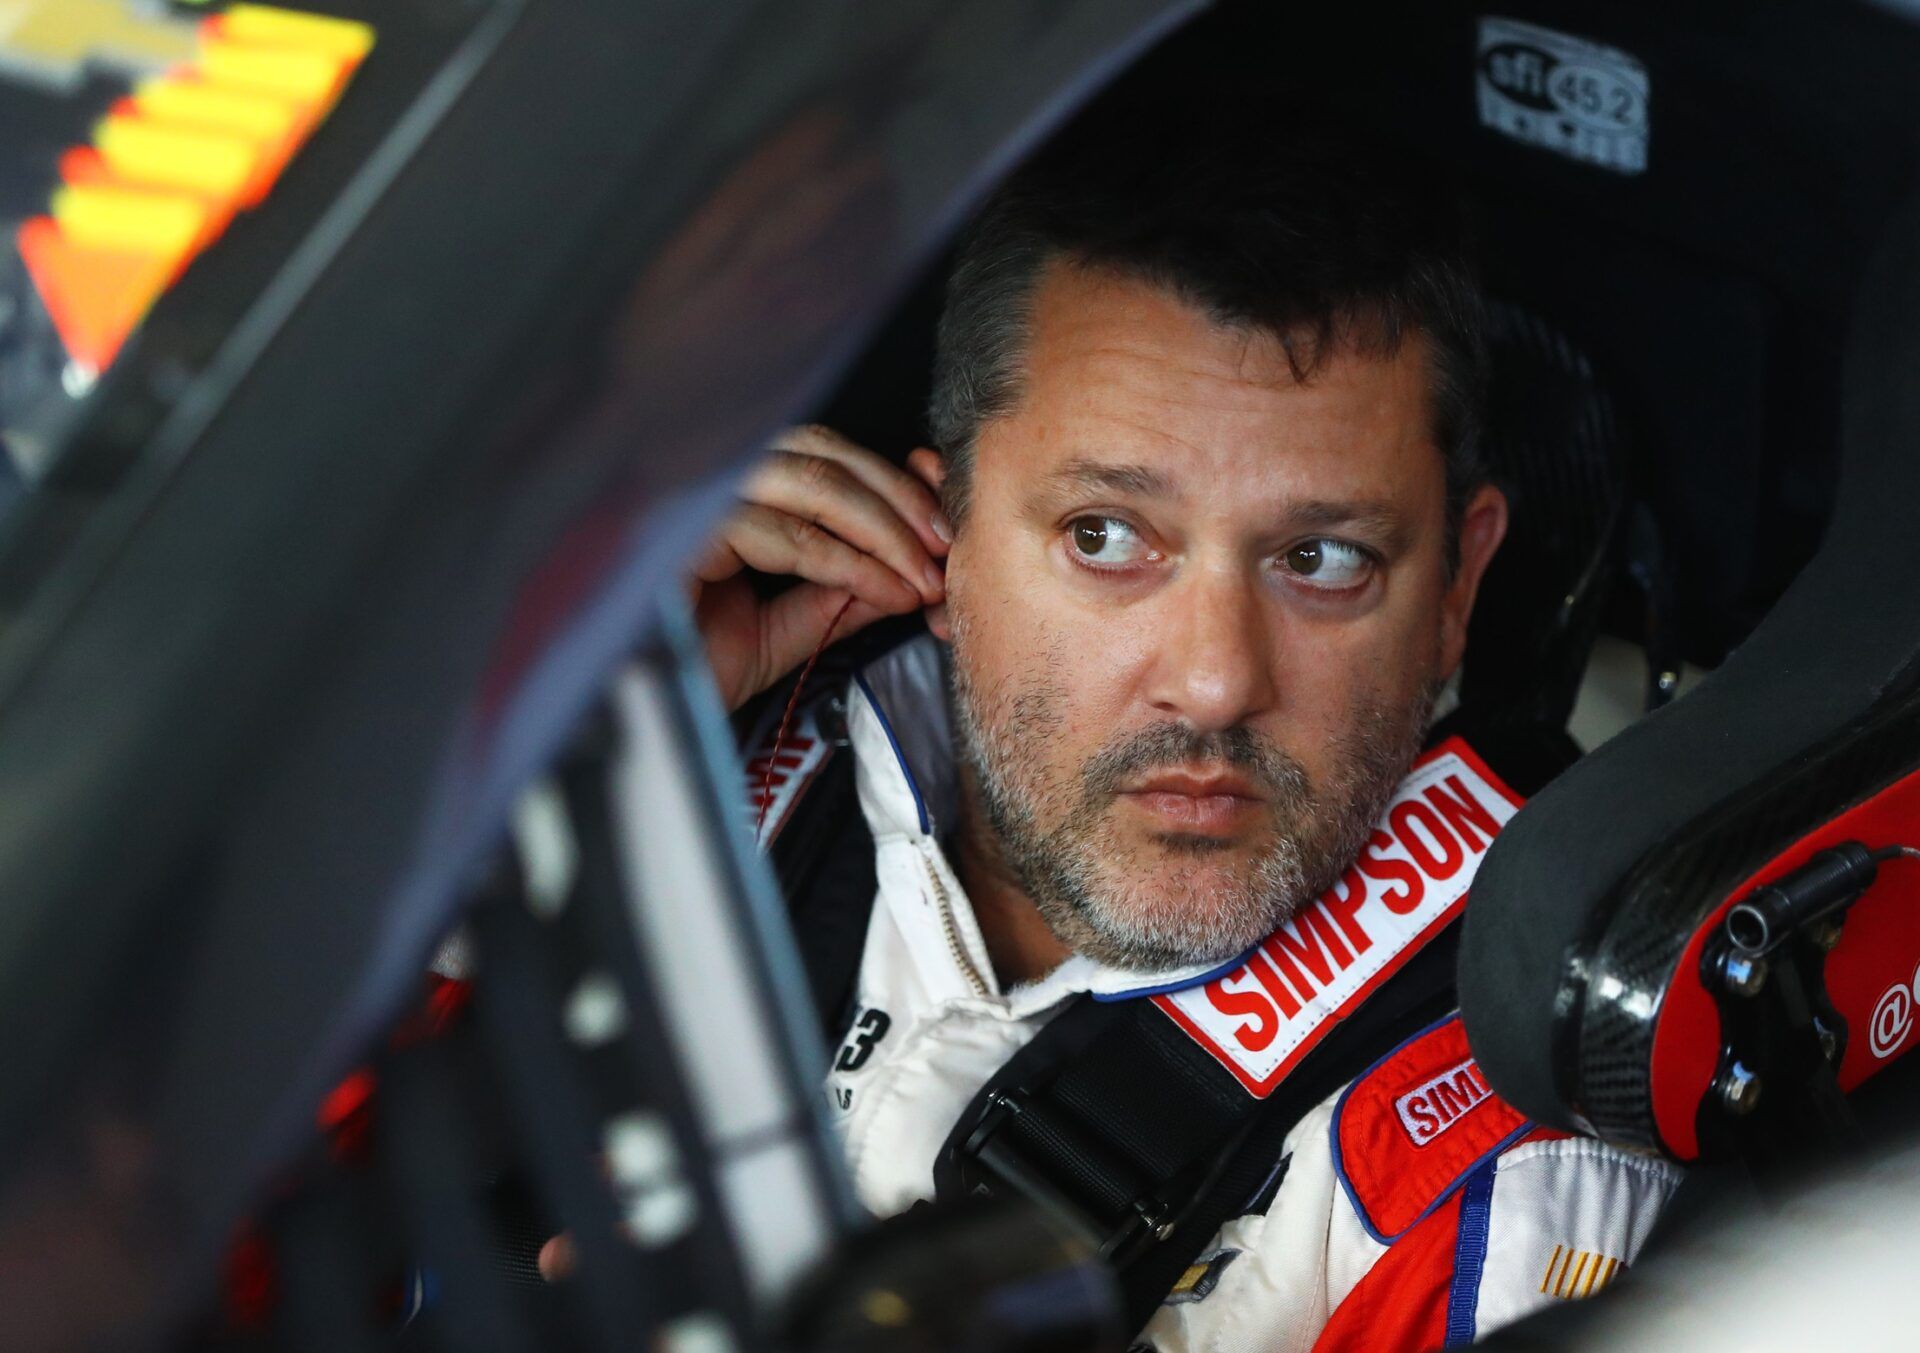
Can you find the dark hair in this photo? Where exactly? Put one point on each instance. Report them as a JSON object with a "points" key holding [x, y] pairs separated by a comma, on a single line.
{"points": [[1257, 217]]}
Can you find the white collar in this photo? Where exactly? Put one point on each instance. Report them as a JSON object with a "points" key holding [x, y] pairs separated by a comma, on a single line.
{"points": [[901, 736]]}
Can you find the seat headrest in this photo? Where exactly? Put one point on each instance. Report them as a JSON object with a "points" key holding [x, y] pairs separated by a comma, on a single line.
{"points": [[1581, 977], [1553, 444]]}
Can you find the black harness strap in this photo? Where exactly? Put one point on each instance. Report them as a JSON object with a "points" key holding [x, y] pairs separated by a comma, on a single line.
{"points": [[827, 872], [1132, 1135]]}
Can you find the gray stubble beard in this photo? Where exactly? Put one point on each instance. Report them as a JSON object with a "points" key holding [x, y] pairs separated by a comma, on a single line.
{"points": [[1068, 870]]}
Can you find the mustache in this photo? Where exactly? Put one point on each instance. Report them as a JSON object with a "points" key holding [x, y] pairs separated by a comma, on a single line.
{"points": [[1176, 746]]}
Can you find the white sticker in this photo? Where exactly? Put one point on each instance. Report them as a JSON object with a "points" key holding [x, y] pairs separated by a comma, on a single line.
{"points": [[1578, 98], [1261, 1018]]}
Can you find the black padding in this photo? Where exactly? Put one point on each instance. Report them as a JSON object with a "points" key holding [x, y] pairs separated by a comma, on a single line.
{"points": [[1552, 443], [830, 877], [1843, 641]]}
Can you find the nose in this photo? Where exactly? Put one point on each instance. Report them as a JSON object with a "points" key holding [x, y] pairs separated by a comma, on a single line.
{"points": [[1214, 667]]}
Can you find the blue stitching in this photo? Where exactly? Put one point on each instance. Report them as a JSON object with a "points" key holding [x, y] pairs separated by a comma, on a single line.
{"points": [[919, 803], [1340, 1164], [1229, 966], [1367, 1222], [1470, 1258]]}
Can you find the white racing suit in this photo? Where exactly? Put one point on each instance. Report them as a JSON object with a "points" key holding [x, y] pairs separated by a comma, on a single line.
{"points": [[1416, 1209]]}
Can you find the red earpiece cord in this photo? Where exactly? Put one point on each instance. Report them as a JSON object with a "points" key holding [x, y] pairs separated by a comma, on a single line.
{"points": [[786, 716]]}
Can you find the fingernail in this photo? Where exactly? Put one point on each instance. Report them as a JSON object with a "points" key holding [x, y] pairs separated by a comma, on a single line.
{"points": [[936, 580], [942, 527]]}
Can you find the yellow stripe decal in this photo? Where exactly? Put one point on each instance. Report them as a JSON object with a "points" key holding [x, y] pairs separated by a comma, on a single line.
{"points": [[127, 221], [237, 111], [1561, 1278], [206, 162], [288, 72], [290, 28]]}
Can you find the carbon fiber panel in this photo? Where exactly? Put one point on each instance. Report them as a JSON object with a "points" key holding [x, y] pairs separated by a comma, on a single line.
{"points": [[1618, 976]]}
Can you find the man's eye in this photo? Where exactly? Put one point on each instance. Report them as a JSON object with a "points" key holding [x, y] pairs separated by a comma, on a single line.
{"points": [[1106, 540], [1330, 564]]}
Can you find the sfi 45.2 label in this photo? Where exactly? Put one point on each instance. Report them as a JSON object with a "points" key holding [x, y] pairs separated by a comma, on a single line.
{"points": [[1575, 97]]}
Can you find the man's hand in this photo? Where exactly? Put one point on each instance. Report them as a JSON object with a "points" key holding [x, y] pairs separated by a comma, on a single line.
{"points": [[843, 521]]}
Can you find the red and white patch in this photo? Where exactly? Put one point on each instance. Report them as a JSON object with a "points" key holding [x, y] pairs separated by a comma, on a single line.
{"points": [[1409, 1131], [1410, 880], [1435, 1105], [775, 784]]}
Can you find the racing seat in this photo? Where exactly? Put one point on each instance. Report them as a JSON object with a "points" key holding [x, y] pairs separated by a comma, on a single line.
{"points": [[1702, 938]]}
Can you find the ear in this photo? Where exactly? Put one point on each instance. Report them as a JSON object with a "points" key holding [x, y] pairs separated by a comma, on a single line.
{"points": [[1483, 525], [930, 468]]}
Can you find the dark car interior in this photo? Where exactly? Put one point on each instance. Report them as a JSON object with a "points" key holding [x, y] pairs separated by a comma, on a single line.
{"points": [[387, 499]]}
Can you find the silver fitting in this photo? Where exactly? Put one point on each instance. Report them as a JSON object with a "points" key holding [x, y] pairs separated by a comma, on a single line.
{"points": [[1739, 1090], [1743, 975]]}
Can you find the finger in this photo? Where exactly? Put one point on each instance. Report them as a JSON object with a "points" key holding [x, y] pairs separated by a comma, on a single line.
{"points": [[780, 543], [830, 496], [717, 560], [556, 1258], [917, 504], [798, 619], [906, 492]]}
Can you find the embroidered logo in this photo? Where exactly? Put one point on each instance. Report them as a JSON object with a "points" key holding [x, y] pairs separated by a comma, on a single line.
{"points": [[1433, 1106], [1576, 1274], [1409, 882]]}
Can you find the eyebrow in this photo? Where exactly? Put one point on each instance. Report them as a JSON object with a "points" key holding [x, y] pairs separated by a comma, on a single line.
{"points": [[1134, 480], [1362, 514]]}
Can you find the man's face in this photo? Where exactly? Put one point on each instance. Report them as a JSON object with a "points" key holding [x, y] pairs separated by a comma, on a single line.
{"points": [[1199, 614]]}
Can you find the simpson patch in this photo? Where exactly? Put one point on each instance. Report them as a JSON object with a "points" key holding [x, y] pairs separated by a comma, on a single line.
{"points": [[1410, 881]]}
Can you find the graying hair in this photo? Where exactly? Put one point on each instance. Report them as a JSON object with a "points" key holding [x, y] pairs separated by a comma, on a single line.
{"points": [[1308, 235]]}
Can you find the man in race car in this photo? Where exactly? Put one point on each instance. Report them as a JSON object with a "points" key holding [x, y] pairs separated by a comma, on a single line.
{"points": [[1197, 553]]}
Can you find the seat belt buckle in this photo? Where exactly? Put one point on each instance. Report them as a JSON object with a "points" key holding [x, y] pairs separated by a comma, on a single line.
{"points": [[991, 1156]]}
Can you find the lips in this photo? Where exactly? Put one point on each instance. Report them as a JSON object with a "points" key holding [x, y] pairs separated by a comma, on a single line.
{"points": [[1209, 804], [1218, 784]]}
